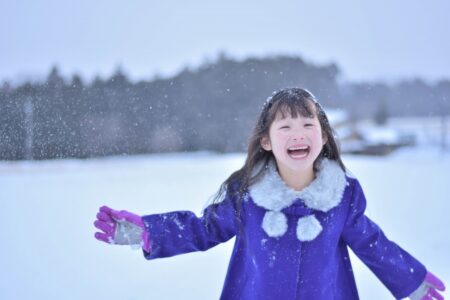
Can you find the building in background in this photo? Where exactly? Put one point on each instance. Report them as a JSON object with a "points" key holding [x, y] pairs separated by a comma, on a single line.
{"points": [[366, 137]]}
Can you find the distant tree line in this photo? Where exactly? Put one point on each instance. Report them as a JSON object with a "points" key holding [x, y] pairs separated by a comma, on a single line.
{"points": [[209, 108]]}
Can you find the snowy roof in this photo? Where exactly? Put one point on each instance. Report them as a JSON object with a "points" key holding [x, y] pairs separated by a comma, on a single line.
{"points": [[381, 135]]}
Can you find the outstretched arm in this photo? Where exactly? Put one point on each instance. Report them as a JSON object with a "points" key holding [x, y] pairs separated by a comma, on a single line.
{"points": [[169, 234], [181, 232], [398, 270]]}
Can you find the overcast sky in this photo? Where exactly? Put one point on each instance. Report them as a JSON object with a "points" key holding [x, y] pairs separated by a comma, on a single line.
{"points": [[369, 40]]}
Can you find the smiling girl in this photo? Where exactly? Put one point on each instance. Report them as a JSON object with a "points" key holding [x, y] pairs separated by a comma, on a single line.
{"points": [[294, 211]]}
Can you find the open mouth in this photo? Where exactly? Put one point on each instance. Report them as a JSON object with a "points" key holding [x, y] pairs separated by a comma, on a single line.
{"points": [[298, 152]]}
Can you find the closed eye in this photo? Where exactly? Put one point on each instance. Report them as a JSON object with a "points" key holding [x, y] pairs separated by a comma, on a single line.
{"points": [[283, 127], [309, 125]]}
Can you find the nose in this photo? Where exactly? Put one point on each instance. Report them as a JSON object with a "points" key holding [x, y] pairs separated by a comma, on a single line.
{"points": [[298, 136]]}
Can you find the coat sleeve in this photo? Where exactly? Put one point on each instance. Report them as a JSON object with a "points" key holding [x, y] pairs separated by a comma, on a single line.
{"points": [[181, 232], [399, 271]]}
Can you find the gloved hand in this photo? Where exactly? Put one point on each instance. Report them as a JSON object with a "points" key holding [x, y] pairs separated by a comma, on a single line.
{"points": [[427, 290], [121, 227]]}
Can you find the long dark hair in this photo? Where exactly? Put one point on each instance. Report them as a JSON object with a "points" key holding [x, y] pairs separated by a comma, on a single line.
{"points": [[287, 102]]}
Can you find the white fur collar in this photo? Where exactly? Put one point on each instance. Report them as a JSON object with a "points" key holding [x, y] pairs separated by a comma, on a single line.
{"points": [[323, 193]]}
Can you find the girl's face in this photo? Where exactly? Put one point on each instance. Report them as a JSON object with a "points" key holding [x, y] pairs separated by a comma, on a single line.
{"points": [[295, 142]]}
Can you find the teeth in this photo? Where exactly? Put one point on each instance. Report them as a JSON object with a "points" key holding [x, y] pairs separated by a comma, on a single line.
{"points": [[298, 148]]}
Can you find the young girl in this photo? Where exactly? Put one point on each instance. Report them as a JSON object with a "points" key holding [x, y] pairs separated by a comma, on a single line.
{"points": [[293, 209]]}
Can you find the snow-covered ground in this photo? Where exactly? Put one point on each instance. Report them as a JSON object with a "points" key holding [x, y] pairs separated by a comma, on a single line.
{"points": [[48, 250]]}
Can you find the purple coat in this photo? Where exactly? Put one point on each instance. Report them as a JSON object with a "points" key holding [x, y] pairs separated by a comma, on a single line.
{"points": [[290, 244]]}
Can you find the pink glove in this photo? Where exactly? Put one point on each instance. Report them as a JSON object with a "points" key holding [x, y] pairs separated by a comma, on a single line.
{"points": [[121, 228], [427, 290]]}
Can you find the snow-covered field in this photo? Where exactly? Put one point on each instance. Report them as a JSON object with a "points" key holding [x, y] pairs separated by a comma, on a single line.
{"points": [[48, 250]]}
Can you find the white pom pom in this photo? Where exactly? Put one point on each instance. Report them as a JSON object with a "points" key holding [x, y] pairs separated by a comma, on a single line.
{"points": [[274, 223], [308, 228]]}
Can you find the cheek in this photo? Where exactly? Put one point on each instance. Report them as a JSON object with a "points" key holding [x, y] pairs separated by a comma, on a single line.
{"points": [[317, 137], [280, 137]]}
